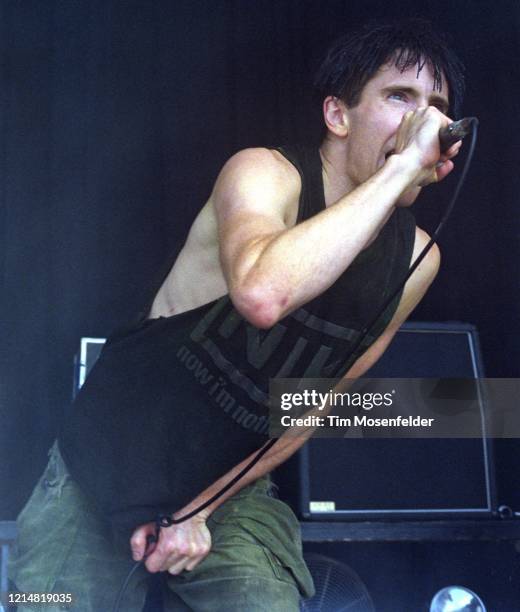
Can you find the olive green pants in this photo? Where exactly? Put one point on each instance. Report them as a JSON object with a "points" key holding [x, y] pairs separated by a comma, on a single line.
{"points": [[63, 547]]}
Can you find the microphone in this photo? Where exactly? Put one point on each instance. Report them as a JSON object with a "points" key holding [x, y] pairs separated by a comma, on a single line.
{"points": [[455, 131]]}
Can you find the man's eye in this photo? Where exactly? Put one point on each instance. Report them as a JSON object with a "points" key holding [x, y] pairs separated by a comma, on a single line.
{"points": [[397, 95]]}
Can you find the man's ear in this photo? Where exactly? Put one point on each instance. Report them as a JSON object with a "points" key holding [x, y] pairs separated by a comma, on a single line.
{"points": [[335, 115]]}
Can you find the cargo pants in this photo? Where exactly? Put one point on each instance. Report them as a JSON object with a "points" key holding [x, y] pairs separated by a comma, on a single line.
{"points": [[64, 547]]}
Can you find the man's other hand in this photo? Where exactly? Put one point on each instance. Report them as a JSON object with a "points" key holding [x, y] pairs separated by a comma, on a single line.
{"points": [[180, 547]]}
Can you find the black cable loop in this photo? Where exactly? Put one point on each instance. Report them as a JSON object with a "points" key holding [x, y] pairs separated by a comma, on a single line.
{"points": [[166, 521]]}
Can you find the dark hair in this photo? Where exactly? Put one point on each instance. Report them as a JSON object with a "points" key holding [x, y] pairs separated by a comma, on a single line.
{"points": [[354, 59]]}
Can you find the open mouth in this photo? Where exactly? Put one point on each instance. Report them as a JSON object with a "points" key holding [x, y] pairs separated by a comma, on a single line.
{"points": [[389, 153]]}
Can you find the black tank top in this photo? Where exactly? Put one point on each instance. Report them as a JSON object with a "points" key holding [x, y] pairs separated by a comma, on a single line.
{"points": [[174, 403]]}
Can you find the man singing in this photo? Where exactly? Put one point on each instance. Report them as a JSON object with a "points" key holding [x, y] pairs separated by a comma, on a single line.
{"points": [[292, 255]]}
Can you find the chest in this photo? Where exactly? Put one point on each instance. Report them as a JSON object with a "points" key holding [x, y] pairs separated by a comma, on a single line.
{"points": [[196, 276]]}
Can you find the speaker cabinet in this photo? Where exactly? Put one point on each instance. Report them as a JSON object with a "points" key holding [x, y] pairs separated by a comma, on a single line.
{"points": [[368, 478]]}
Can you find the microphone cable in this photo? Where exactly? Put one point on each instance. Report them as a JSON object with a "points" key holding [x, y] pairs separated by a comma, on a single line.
{"points": [[473, 121], [166, 521], [163, 520]]}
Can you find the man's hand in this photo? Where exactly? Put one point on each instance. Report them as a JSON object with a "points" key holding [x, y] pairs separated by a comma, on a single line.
{"points": [[418, 141], [180, 547]]}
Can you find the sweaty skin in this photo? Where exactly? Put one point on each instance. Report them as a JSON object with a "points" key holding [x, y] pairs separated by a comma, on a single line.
{"points": [[376, 156]]}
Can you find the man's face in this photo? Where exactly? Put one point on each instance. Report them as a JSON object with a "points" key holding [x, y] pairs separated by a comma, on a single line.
{"points": [[374, 121]]}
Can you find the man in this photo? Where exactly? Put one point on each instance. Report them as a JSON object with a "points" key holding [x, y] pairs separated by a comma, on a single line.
{"points": [[288, 260]]}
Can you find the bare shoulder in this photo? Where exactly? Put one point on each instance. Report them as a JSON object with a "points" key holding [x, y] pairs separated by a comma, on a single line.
{"points": [[262, 161], [428, 268], [421, 279], [414, 290], [256, 176]]}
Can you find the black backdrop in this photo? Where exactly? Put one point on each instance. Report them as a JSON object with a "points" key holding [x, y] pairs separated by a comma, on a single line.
{"points": [[115, 118]]}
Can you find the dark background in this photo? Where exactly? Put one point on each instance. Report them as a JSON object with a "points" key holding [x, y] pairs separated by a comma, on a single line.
{"points": [[115, 119]]}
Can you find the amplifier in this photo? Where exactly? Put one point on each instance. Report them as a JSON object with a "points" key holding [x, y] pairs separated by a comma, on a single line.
{"points": [[368, 478], [85, 358]]}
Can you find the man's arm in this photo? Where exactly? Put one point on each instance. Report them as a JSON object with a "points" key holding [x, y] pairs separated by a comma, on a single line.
{"points": [[183, 546], [272, 269]]}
